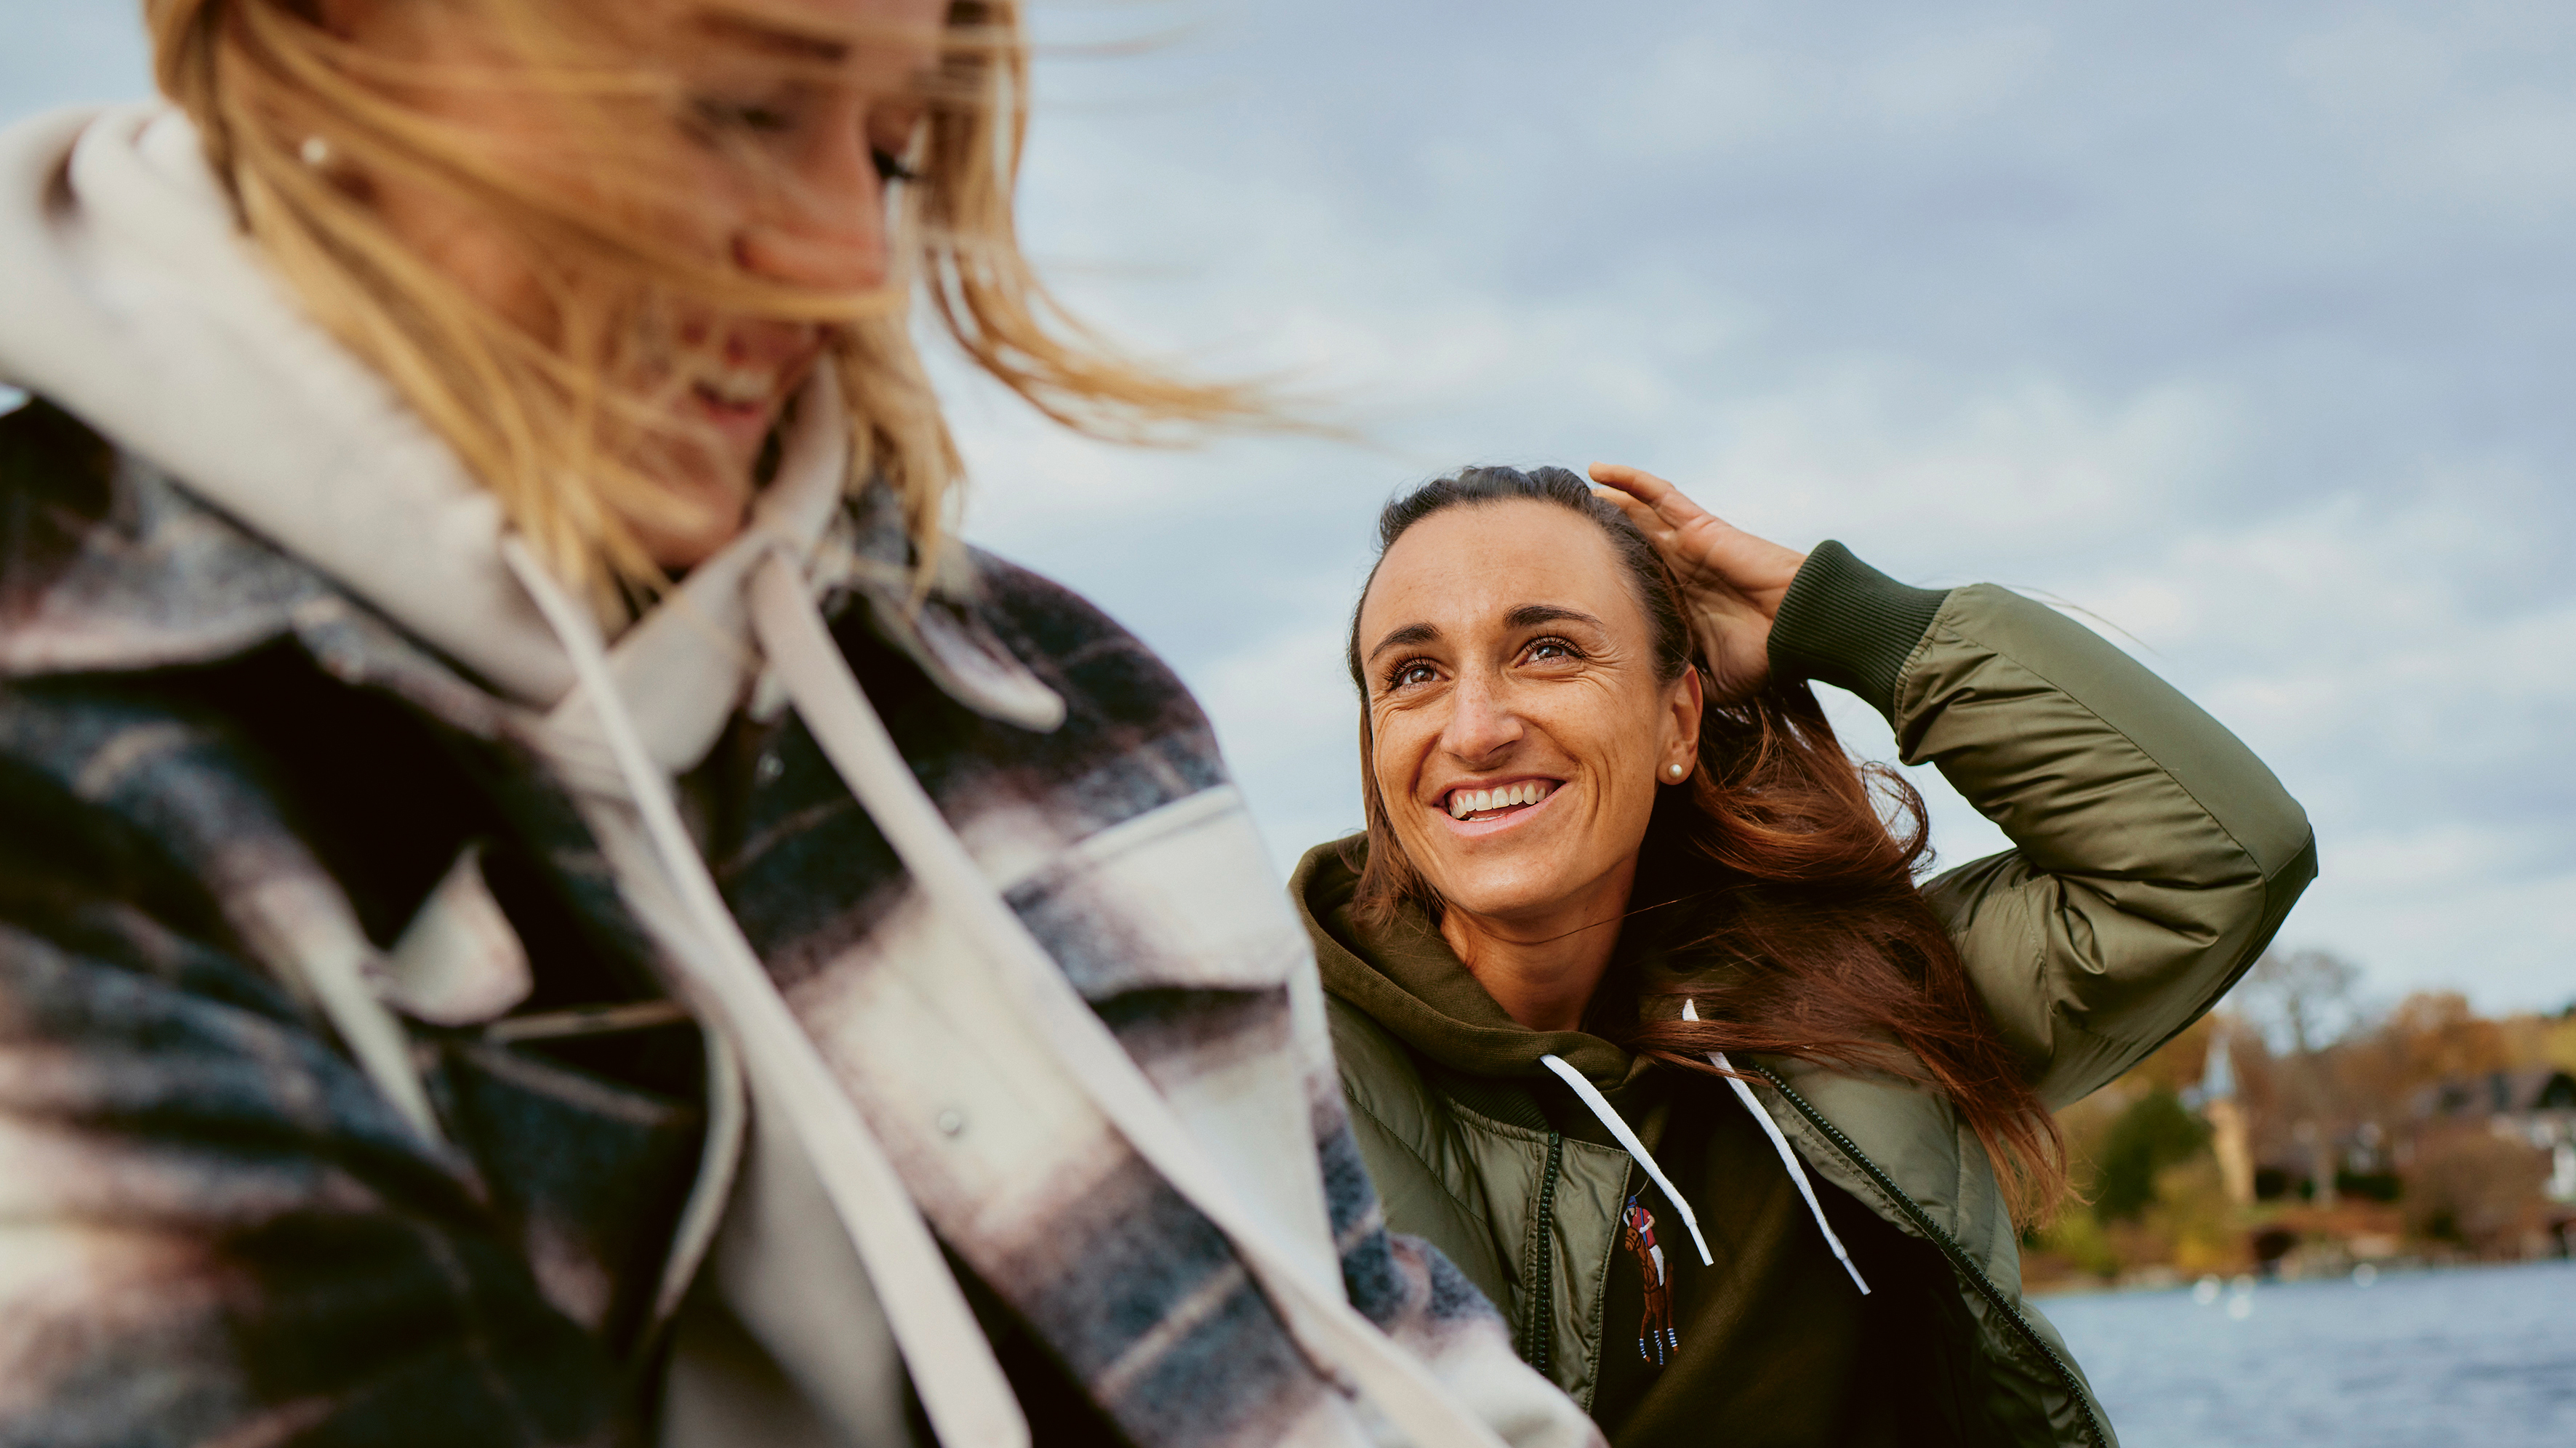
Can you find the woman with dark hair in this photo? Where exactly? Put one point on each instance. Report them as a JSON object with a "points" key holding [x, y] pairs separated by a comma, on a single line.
{"points": [[1641, 1011]]}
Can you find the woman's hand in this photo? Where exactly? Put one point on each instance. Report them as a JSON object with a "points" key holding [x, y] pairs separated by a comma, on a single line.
{"points": [[1732, 582]]}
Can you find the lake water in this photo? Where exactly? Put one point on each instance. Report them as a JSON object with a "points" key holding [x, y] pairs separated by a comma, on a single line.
{"points": [[2480, 1355]]}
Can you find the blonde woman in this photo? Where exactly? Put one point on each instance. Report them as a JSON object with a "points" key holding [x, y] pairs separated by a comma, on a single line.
{"points": [[542, 900]]}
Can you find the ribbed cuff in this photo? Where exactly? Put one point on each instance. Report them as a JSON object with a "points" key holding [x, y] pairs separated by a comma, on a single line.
{"points": [[1846, 624]]}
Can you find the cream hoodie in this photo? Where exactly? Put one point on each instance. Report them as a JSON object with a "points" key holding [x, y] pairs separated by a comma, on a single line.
{"points": [[132, 301]]}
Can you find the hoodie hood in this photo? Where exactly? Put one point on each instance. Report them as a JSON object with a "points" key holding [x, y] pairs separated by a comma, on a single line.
{"points": [[1407, 979], [136, 304]]}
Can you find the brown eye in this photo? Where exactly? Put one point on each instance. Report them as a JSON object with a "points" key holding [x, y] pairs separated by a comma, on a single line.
{"points": [[753, 116], [1549, 650], [1408, 675]]}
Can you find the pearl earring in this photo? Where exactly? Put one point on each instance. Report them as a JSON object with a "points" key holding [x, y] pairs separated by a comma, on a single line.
{"points": [[1677, 771], [315, 152]]}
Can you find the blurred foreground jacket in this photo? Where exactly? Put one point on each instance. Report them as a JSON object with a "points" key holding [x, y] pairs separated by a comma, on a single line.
{"points": [[346, 1097]]}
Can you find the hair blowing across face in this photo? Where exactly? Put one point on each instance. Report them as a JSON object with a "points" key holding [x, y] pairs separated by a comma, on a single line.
{"points": [[1802, 931], [540, 419]]}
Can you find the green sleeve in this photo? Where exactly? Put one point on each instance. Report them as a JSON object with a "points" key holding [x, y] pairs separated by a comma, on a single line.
{"points": [[2154, 855]]}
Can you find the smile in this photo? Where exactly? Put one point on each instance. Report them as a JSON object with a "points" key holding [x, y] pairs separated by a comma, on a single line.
{"points": [[1477, 806], [736, 388], [739, 379]]}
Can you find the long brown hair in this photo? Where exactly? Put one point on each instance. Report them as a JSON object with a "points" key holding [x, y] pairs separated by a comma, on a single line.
{"points": [[1786, 869], [533, 418]]}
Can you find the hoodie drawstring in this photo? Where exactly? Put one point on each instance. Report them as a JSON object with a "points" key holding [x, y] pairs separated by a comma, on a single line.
{"points": [[1591, 1096], [968, 1400], [1346, 1347], [963, 1390], [1788, 1157]]}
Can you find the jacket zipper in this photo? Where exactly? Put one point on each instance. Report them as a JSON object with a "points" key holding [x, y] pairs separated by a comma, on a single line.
{"points": [[1950, 1247], [1539, 1337]]}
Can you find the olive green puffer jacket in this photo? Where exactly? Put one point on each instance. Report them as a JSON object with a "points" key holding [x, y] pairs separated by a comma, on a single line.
{"points": [[2154, 858]]}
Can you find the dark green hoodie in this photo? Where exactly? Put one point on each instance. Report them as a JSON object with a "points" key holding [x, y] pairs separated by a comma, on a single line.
{"points": [[1772, 1338], [2154, 858]]}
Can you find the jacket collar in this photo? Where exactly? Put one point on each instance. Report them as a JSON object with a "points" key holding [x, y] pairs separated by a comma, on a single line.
{"points": [[1408, 980]]}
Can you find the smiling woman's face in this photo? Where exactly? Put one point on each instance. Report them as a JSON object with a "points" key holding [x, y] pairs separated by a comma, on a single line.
{"points": [[1517, 730], [777, 152]]}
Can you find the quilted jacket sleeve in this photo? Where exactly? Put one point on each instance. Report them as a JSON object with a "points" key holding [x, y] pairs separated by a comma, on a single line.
{"points": [[213, 1229], [2154, 855]]}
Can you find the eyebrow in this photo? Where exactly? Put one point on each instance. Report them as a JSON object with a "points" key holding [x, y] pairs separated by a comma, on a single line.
{"points": [[771, 39], [1531, 615], [1528, 615], [1405, 637]]}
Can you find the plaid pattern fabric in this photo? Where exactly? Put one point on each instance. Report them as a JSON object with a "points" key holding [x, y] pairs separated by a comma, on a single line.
{"points": [[213, 763]]}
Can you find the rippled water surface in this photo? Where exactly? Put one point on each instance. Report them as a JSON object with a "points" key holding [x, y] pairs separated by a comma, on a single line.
{"points": [[2483, 1356]]}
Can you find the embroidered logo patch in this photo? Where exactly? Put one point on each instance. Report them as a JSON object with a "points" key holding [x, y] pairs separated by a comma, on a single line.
{"points": [[1656, 1339]]}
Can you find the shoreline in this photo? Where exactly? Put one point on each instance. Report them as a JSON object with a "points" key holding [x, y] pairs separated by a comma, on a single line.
{"points": [[2377, 1272]]}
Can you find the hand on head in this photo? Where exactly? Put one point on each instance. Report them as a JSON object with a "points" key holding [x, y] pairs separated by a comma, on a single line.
{"points": [[1732, 582]]}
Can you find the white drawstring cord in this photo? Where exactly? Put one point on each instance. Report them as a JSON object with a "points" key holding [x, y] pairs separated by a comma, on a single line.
{"points": [[793, 636], [1788, 1157], [1601, 1107], [963, 1390], [309, 935], [719, 1156]]}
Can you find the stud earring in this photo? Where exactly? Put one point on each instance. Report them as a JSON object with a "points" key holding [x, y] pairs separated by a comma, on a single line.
{"points": [[315, 152], [1677, 771]]}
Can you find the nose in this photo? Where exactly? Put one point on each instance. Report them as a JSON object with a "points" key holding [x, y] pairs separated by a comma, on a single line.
{"points": [[824, 226], [1482, 722]]}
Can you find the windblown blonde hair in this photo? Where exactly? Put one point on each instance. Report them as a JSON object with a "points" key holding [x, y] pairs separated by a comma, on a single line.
{"points": [[289, 114]]}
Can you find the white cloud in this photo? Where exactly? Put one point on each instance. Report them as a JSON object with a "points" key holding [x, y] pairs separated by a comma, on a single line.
{"points": [[2466, 105], [1731, 88]]}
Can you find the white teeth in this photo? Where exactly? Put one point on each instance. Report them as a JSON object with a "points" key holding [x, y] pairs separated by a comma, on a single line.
{"points": [[736, 386], [1464, 802]]}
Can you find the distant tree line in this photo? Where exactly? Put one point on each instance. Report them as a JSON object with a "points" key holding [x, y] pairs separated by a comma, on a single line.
{"points": [[2419, 1130]]}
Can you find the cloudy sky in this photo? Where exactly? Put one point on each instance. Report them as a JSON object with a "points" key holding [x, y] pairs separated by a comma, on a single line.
{"points": [[2241, 329]]}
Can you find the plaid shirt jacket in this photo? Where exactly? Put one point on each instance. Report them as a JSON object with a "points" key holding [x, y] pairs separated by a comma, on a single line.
{"points": [[218, 1231]]}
